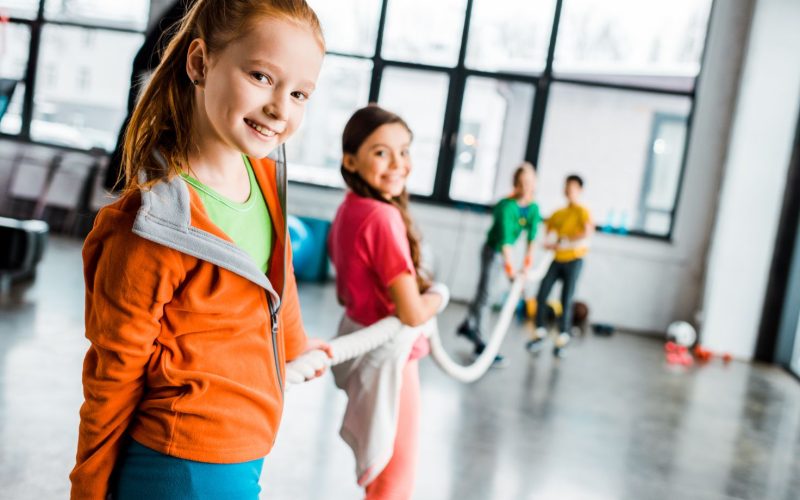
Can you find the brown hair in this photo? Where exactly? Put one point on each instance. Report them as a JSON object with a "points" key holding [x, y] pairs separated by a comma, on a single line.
{"points": [[525, 166], [359, 127], [161, 121]]}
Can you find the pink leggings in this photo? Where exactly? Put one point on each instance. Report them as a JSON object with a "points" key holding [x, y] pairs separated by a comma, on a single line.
{"points": [[396, 481]]}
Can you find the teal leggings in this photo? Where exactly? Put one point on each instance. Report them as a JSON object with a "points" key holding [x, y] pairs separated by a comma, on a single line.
{"points": [[147, 474]]}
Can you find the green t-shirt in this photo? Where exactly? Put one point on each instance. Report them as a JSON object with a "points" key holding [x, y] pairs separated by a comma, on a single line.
{"points": [[248, 224], [509, 220]]}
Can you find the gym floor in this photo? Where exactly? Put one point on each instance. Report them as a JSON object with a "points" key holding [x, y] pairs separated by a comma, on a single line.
{"points": [[609, 421]]}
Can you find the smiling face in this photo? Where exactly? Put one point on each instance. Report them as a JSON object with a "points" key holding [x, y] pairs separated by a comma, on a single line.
{"points": [[383, 159], [251, 95]]}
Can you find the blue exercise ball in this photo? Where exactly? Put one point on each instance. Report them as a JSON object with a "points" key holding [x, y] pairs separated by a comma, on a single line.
{"points": [[302, 240]]}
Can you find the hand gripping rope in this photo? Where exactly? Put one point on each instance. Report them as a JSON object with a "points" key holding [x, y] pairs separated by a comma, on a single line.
{"points": [[362, 341]]}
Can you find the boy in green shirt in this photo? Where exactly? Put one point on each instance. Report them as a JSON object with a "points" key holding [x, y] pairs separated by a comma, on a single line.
{"points": [[511, 216]]}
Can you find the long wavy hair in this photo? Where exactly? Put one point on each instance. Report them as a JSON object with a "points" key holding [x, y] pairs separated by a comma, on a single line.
{"points": [[359, 127], [161, 123]]}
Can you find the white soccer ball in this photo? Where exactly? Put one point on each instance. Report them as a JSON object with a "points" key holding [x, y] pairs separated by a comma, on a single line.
{"points": [[682, 333]]}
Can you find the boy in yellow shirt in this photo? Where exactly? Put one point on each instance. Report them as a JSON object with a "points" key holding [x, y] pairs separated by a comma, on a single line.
{"points": [[567, 234]]}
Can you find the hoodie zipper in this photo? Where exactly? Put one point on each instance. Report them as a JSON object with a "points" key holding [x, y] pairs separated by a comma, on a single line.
{"points": [[280, 184], [273, 314]]}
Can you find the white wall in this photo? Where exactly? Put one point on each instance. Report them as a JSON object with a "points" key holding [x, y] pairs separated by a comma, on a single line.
{"points": [[630, 282], [754, 181]]}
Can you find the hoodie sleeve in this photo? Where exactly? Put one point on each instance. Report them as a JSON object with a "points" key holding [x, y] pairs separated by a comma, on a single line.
{"points": [[128, 281]]}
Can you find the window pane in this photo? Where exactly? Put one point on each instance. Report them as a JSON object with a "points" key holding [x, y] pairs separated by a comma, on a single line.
{"points": [[314, 153], [128, 14], [81, 101], [630, 41], [23, 9], [509, 35], [420, 98], [628, 147], [350, 26], [492, 138], [662, 173], [424, 32], [13, 63]]}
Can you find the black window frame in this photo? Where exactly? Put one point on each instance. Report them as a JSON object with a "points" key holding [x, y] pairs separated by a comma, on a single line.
{"points": [[542, 82], [36, 25], [457, 75]]}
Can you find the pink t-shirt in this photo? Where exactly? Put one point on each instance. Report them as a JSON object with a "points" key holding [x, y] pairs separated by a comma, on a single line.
{"points": [[369, 248]]}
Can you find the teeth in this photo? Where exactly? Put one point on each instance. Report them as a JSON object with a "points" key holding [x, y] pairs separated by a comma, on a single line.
{"points": [[261, 130]]}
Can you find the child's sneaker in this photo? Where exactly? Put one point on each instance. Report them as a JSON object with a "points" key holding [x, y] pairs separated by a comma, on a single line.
{"points": [[471, 334], [499, 360], [537, 342], [562, 340]]}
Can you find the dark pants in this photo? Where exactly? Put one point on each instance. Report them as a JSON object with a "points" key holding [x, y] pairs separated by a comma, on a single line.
{"points": [[568, 273], [479, 304]]}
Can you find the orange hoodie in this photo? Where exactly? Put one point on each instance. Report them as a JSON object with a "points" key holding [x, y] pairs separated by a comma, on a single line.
{"points": [[189, 338]]}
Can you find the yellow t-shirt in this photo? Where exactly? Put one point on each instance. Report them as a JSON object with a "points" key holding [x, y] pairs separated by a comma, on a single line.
{"points": [[567, 223]]}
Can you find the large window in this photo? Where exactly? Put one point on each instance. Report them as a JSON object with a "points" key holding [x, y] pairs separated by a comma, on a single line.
{"points": [[350, 26], [492, 134], [23, 9], [424, 32], [81, 102], [627, 146], [510, 35], [314, 153], [17, 39], [601, 88], [71, 64], [420, 96], [131, 14], [655, 44]]}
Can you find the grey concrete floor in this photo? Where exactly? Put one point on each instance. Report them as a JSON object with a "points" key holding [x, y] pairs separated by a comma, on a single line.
{"points": [[608, 422]]}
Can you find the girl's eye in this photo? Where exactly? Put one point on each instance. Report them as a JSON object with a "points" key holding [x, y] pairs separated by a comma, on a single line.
{"points": [[300, 96], [261, 78], [381, 153], [404, 152]]}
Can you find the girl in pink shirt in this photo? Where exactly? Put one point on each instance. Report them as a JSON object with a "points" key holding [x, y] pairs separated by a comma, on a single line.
{"points": [[376, 252]]}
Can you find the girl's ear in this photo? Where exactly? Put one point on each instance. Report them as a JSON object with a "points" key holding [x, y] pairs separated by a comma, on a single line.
{"points": [[196, 59], [349, 162]]}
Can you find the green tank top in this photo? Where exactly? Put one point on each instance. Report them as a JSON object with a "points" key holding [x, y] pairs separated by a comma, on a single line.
{"points": [[248, 224]]}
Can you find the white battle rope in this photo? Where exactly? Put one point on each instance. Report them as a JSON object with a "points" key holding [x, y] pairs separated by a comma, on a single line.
{"points": [[362, 341], [480, 366]]}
